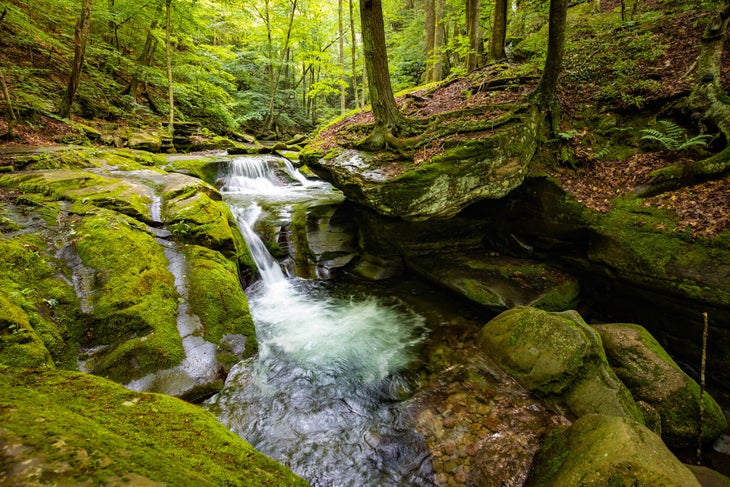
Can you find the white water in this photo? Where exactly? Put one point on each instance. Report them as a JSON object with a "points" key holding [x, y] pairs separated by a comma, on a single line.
{"points": [[323, 393]]}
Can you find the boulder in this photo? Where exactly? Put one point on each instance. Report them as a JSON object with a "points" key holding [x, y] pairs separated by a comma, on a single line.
{"points": [[559, 357], [607, 450], [144, 141], [441, 186], [654, 378]]}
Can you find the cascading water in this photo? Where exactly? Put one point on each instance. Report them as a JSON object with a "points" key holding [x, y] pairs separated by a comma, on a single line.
{"points": [[323, 393]]}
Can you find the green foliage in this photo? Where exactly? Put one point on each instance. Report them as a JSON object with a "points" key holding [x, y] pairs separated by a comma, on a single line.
{"points": [[673, 137]]}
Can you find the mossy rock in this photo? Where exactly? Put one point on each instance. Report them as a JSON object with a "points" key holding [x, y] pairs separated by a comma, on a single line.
{"points": [[201, 167], [465, 172], [198, 219], [644, 246], [559, 357], [144, 142], [607, 450], [216, 297], [653, 377], [134, 306], [69, 428], [85, 187], [498, 282], [38, 310]]}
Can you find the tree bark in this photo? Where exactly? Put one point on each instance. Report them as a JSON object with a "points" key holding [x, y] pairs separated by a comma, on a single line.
{"points": [[388, 119], [545, 95], [276, 77], [144, 60], [353, 41], [474, 32], [499, 31], [439, 40], [168, 51], [341, 32], [429, 7], [81, 38]]}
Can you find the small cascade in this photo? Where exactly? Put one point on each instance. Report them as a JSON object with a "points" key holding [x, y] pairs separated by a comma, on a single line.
{"points": [[156, 209], [324, 394]]}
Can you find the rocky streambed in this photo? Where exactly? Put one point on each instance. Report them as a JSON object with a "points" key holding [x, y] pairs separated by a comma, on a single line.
{"points": [[89, 276]]}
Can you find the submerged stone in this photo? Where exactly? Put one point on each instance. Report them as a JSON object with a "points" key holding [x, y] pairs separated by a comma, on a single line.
{"points": [[653, 377], [559, 357], [607, 450]]}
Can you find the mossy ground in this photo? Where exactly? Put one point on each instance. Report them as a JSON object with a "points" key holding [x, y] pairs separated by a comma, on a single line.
{"points": [[71, 428]]}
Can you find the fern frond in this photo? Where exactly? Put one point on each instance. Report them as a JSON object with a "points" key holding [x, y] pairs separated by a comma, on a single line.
{"points": [[700, 140], [671, 129]]}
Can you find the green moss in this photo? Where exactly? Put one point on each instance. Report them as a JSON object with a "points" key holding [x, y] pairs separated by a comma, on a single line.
{"points": [[215, 295], [79, 429], [205, 168], [197, 219], [135, 304]]}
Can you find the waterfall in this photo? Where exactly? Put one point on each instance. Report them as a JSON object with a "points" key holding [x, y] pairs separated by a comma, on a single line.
{"points": [[323, 393]]}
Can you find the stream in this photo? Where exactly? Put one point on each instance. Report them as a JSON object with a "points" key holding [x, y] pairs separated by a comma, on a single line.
{"points": [[324, 395]]}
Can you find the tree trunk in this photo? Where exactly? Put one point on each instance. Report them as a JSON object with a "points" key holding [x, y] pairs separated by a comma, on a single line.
{"points": [[168, 51], [276, 78], [143, 61], [81, 37], [354, 56], [388, 119], [429, 7], [545, 94], [499, 31], [9, 113], [474, 32], [341, 32], [439, 40]]}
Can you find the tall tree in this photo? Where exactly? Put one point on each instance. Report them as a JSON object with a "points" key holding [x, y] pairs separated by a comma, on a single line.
{"points": [[388, 119], [499, 31], [168, 55], [9, 113], [353, 42], [474, 33], [435, 38], [81, 37], [545, 95], [341, 39]]}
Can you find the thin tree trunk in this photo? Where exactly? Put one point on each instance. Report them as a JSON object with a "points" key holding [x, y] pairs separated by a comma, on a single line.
{"points": [[439, 40], [341, 28], [144, 60], [168, 50], [81, 38], [270, 117], [353, 41], [9, 113], [499, 31], [388, 119], [430, 23], [474, 33], [545, 94]]}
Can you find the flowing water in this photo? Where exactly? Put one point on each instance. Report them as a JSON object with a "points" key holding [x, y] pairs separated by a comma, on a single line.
{"points": [[324, 393]]}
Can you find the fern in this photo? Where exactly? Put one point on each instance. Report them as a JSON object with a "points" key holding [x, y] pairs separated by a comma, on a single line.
{"points": [[673, 137]]}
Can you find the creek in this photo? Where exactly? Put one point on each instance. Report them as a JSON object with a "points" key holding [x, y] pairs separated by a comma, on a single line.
{"points": [[325, 388], [362, 382]]}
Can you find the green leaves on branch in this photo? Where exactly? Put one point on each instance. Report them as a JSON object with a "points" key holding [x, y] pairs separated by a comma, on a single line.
{"points": [[673, 137]]}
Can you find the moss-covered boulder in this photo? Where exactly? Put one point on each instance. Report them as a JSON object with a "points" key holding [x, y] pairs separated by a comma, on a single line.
{"points": [[607, 450], [499, 282], [144, 141], [195, 214], [216, 297], [69, 428], [559, 357], [133, 307], [466, 171], [653, 377]]}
